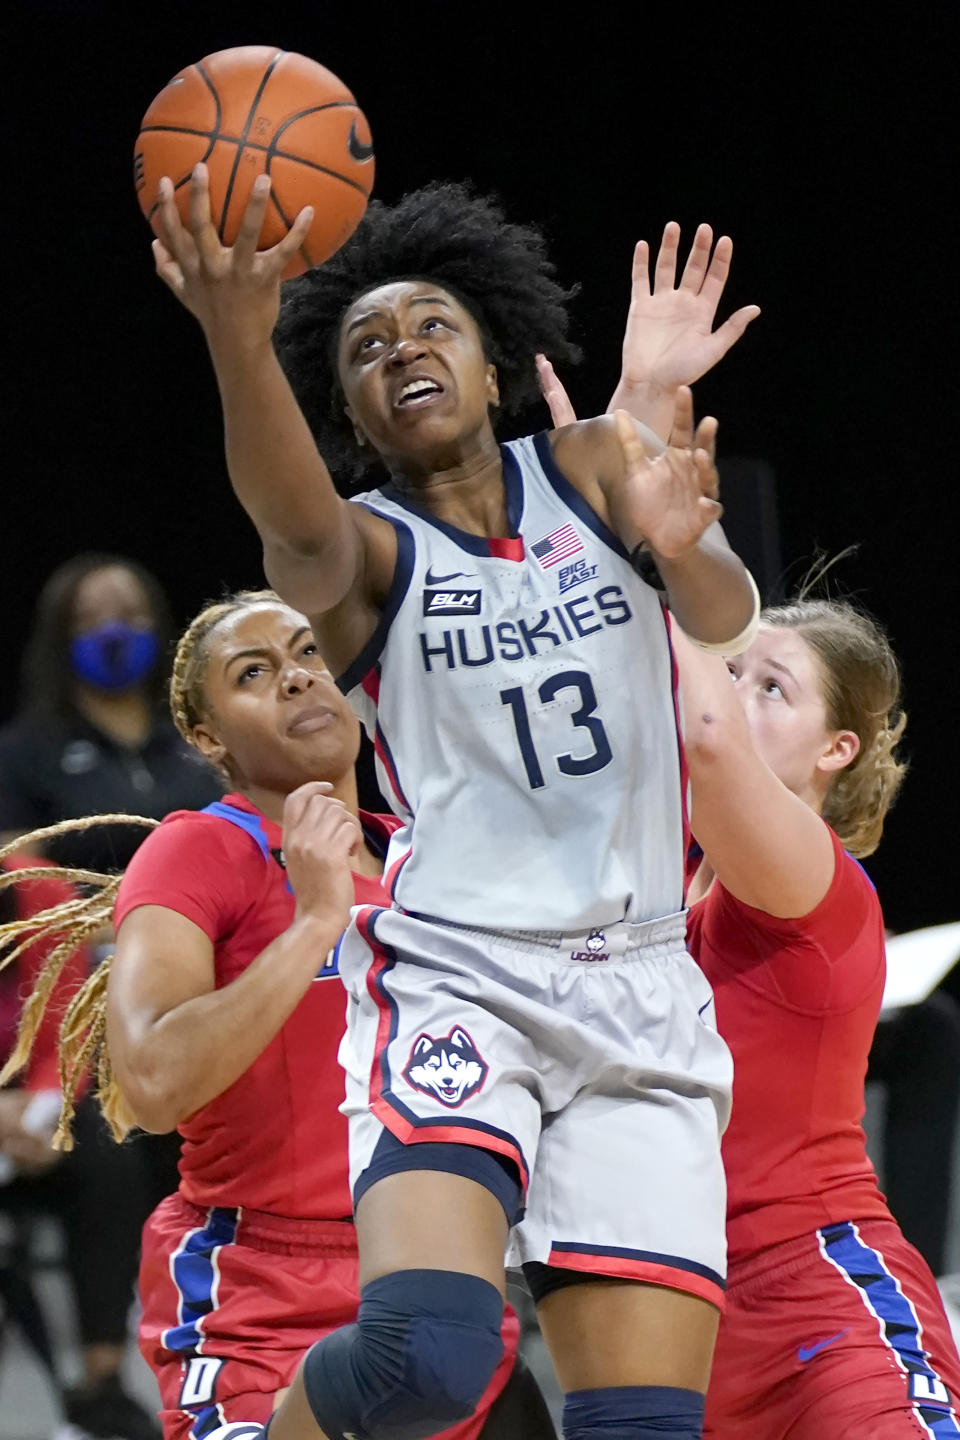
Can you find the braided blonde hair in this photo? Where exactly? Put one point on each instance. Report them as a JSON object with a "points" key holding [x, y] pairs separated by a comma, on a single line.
{"points": [[70, 924], [861, 690], [82, 1039]]}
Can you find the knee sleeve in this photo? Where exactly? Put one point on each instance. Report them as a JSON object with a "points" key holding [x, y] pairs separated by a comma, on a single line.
{"points": [[423, 1350], [633, 1412]]}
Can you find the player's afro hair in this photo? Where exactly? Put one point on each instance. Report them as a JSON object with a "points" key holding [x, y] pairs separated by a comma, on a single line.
{"points": [[460, 240]]}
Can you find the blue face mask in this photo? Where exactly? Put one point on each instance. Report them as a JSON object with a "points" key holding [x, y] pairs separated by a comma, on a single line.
{"points": [[115, 656]]}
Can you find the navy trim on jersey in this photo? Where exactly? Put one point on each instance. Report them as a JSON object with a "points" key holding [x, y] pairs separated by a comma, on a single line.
{"points": [[513, 482], [243, 821], [377, 840], [371, 652], [385, 755], [900, 1329], [572, 498], [473, 544]]}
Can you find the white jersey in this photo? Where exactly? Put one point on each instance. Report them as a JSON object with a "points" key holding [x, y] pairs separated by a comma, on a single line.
{"points": [[521, 697]]}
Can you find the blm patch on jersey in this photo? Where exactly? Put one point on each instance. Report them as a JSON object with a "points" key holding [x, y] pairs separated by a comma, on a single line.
{"points": [[451, 1068], [451, 602]]}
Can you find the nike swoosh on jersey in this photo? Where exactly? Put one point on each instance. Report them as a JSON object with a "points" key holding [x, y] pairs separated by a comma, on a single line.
{"points": [[806, 1353], [355, 145], [442, 579]]}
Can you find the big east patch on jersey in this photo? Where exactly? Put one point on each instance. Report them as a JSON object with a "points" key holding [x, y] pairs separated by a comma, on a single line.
{"points": [[452, 1068]]}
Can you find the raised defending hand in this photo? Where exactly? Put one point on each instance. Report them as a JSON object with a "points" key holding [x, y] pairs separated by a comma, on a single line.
{"points": [[320, 841], [233, 290], [673, 499], [670, 339]]}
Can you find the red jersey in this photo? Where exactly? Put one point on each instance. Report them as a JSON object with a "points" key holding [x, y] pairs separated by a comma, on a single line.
{"points": [[797, 1002], [275, 1140], [17, 980]]}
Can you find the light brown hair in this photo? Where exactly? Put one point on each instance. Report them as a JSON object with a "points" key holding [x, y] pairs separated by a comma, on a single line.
{"points": [[861, 691]]}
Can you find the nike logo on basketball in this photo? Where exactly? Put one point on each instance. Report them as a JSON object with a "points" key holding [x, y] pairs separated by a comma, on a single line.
{"points": [[355, 145], [442, 579], [806, 1353]]}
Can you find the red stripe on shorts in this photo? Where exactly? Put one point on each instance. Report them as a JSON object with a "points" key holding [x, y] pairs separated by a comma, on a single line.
{"points": [[650, 1272]]}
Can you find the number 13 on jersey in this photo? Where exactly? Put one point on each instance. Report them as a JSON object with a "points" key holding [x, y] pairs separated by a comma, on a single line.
{"points": [[583, 718]]}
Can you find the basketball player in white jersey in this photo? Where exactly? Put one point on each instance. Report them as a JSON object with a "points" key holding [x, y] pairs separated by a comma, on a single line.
{"points": [[482, 612]]}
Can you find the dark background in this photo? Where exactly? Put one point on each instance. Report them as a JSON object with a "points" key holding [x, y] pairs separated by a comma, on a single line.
{"points": [[823, 144]]}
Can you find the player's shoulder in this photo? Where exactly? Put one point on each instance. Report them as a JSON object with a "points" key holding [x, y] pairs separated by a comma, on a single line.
{"points": [[586, 456], [225, 829], [847, 916], [852, 902], [577, 448]]}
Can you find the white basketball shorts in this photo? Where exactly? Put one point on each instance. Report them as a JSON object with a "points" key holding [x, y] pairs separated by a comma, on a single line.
{"points": [[592, 1062]]}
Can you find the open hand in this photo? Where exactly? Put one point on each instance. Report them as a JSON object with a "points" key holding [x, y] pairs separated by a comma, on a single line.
{"points": [[233, 290], [669, 339], [671, 499]]}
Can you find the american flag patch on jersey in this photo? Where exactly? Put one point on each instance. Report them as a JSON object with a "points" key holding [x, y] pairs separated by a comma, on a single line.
{"points": [[556, 546]]}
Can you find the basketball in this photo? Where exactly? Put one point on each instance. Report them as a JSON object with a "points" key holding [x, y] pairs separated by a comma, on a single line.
{"points": [[254, 110]]}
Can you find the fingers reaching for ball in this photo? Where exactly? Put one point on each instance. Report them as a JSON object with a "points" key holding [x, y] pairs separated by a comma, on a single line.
{"points": [[246, 246], [233, 290]]}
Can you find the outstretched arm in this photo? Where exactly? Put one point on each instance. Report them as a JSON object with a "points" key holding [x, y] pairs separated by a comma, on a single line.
{"points": [[766, 845], [316, 546]]}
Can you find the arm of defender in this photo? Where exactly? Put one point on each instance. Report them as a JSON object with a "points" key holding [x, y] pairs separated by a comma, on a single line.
{"points": [[175, 1040], [768, 847], [317, 547], [669, 338]]}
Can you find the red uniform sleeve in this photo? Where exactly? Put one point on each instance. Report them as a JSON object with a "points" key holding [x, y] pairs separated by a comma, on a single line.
{"points": [[827, 961], [32, 896], [196, 865]]}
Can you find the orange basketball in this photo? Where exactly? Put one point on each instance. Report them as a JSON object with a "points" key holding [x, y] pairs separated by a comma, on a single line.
{"points": [[254, 109]]}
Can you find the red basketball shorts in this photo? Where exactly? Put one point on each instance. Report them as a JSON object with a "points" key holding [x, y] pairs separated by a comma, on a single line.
{"points": [[232, 1300], [840, 1335]]}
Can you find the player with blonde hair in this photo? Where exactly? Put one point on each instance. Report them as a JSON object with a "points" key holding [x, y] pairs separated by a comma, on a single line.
{"points": [[833, 1326]]}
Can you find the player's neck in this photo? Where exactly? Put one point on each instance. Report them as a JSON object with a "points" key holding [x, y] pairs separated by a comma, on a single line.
{"points": [[271, 802], [465, 490], [124, 717]]}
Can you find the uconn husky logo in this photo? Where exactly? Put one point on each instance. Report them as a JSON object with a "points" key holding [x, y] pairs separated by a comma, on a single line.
{"points": [[451, 1069], [596, 948]]}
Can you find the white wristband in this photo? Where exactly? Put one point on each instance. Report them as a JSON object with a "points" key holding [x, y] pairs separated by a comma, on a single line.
{"points": [[747, 635]]}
